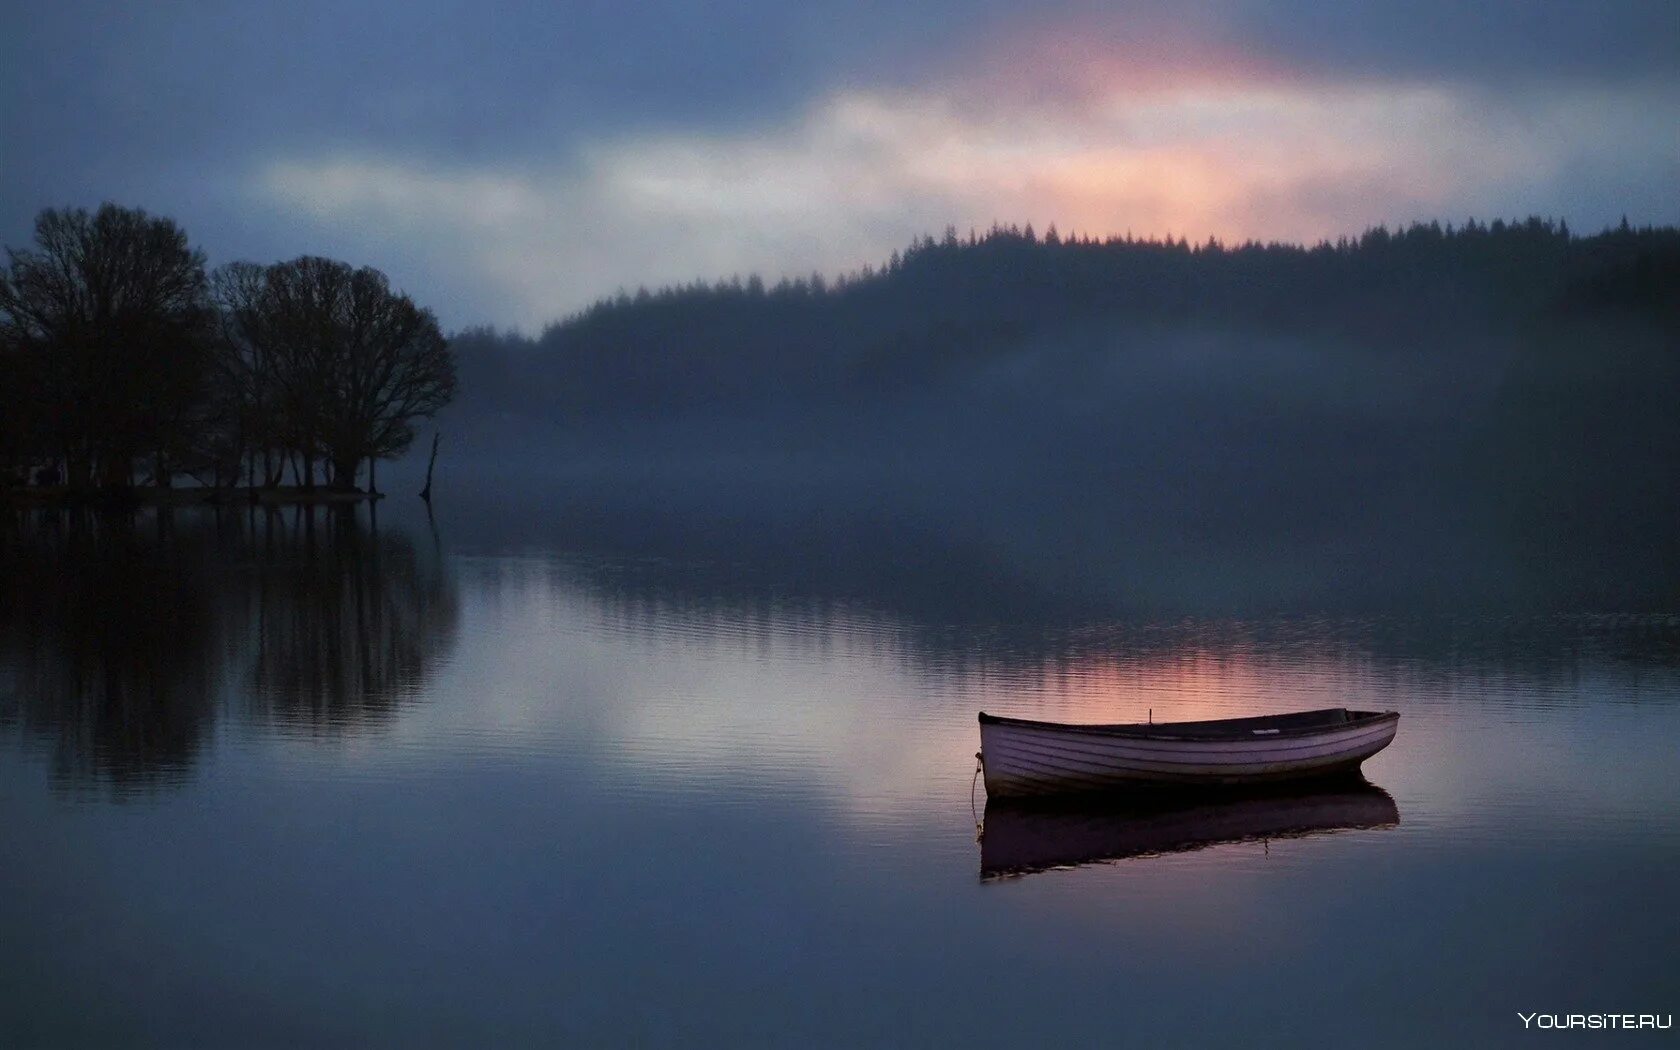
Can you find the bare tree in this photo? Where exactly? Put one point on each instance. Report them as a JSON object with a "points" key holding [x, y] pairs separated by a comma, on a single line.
{"points": [[257, 375], [331, 364], [396, 368], [106, 317]]}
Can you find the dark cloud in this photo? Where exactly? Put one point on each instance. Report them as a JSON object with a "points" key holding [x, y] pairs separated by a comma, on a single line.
{"points": [[1495, 42], [174, 104], [109, 82], [466, 79]]}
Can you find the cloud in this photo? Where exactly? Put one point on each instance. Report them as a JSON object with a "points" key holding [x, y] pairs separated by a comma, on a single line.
{"points": [[860, 173], [91, 90], [513, 160]]}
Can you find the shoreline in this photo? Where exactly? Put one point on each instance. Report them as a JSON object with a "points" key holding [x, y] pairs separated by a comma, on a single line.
{"points": [[61, 496]]}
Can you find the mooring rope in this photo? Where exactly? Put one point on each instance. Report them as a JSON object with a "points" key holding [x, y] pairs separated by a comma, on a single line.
{"points": [[973, 810]]}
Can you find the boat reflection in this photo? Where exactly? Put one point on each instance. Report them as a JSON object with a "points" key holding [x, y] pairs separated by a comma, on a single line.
{"points": [[1020, 838]]}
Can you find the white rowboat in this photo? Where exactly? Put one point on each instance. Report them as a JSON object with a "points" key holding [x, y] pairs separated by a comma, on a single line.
{"points": [[1023, 757]]}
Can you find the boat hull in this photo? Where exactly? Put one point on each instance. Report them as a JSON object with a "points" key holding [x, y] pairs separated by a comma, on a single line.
{"points": [[1025, 758]]}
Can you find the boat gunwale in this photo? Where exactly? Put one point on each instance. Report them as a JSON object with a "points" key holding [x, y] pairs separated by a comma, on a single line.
{"points": [[1239, 728], [1195, 751]]}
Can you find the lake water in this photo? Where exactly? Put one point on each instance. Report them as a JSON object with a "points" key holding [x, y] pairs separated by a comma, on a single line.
{"points": [[297, 780]]}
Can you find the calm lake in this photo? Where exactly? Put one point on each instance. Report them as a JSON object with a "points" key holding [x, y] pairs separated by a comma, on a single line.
{"points": [[309, 779]]}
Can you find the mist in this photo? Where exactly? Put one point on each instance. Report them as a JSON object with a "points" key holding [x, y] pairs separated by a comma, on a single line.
{"points": [[1428, 418]]}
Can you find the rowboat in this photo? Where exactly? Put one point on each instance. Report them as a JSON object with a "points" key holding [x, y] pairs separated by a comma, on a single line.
{"points": [[1019, 837], [1022, 757]]}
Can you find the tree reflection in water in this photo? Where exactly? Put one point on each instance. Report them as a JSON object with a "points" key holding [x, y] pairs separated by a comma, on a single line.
{"points": [[347, 621], [123, 638]]}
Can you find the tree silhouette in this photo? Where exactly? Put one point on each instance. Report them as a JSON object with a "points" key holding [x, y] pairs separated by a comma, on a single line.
{"points": [[247, 387], [946, 305], [103, 323], [117, 352], [328, 363]]}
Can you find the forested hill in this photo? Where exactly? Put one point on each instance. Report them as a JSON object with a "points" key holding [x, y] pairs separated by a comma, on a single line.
{"points": [[946, 306], [1430, 416]]}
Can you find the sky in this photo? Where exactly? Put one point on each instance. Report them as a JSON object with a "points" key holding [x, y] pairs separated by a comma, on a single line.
{"points": [[508, 163]]}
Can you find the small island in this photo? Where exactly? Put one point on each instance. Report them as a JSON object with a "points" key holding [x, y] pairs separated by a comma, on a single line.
{"points": [[129, 374]]}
